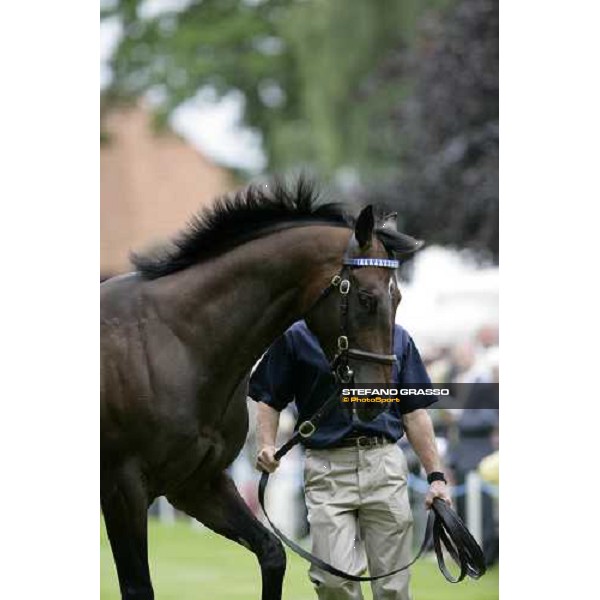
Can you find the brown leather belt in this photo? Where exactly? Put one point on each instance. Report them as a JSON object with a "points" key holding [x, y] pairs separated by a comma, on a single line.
{"points": [[362, 441]]}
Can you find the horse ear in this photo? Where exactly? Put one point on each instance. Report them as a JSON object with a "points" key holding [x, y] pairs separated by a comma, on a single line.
{"points": [[363, 230]]}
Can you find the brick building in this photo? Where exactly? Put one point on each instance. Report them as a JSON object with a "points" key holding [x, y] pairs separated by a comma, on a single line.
{"points": [[150, 184]]}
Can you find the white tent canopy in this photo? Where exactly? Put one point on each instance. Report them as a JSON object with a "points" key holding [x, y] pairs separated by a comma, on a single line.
{"points": [[449, 298]]}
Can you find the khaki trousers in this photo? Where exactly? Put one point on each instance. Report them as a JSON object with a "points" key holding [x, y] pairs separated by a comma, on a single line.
{"points": [[359, 516]]}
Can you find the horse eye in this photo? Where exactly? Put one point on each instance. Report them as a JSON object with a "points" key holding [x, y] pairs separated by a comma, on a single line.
{"points": [[368, 301]]}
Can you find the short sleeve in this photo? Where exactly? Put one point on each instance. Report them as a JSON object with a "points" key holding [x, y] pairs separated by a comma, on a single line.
{"points": [[413, 374], [272, 382], [413, 370]]}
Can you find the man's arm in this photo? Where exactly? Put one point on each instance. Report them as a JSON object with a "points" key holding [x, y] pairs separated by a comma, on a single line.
{"points": [[267, 423], [420, 434], [272, 387]]}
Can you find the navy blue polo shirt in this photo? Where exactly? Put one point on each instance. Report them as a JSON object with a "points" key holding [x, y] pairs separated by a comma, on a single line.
{"points": [[295, 369]]}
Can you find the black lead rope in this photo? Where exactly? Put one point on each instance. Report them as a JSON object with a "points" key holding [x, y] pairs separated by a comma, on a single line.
{"points": [[444, 526]]}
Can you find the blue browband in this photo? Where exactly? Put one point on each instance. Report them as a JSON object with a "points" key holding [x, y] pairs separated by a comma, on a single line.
{"points": [[385, 263]]}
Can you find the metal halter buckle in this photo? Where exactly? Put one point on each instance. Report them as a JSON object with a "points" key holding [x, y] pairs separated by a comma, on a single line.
{"points": [[364, 441], [345, 286], [306, 429], [343, 342], [336, 280], [345, 373]]}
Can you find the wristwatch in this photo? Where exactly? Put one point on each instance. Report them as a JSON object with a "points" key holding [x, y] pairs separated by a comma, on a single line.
{"points": [[436, 476]]}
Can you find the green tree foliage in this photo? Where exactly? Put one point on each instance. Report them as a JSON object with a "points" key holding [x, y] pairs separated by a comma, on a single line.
{"points": [[299, 64], [446, 183], [402, 93]]}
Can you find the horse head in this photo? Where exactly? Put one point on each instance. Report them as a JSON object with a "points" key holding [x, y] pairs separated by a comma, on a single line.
{"points": [[355, 326]]}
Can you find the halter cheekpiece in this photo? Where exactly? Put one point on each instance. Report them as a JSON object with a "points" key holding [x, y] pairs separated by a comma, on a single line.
{"points": [[340, 365]]}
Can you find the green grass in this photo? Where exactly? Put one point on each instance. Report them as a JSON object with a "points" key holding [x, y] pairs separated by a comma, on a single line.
{"points": [[190, 563]]}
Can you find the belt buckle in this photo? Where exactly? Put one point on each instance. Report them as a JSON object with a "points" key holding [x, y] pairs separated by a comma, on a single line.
{"points": [[368, 441]]}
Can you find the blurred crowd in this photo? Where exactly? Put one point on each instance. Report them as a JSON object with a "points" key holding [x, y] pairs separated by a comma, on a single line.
{"points": [[474, 359]]}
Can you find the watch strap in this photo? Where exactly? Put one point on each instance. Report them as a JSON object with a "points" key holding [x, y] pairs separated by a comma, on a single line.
{"points": [[436, 476]]}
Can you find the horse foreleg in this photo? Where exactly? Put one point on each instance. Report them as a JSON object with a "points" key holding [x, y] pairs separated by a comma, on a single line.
{"points": [[124, 503], [221, 508]]}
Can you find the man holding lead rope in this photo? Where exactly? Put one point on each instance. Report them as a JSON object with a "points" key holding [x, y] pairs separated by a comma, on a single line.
{"points": [[355, 474]]}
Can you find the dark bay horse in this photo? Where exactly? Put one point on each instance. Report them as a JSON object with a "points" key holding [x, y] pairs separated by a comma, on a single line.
{"points": [[179, 338]]}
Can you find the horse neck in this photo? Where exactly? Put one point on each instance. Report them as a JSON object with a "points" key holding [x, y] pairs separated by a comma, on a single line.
{"points": [[232, 307]]}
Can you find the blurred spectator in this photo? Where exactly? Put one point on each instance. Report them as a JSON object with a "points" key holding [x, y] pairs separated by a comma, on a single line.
{"points": [[489, 468], [487, 336], [242, 470], [462, 363], [438, 363], [477, 428]]}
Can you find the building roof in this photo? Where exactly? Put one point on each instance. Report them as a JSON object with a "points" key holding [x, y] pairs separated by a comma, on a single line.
{"points": [[150, 184]]}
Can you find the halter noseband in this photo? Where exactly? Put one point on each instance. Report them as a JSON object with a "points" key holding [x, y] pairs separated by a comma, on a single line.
{"points": [[340, 366]]}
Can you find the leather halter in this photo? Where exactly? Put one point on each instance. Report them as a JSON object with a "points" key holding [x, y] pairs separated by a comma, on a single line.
{"points": [[340, 365]]}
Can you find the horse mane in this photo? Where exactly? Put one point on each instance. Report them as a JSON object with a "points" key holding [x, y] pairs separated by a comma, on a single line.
{"points": [[235, 218]]}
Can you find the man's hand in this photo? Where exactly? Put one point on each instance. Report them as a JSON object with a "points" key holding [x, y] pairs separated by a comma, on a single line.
{"points": [[265, 460], [438, 489]]}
